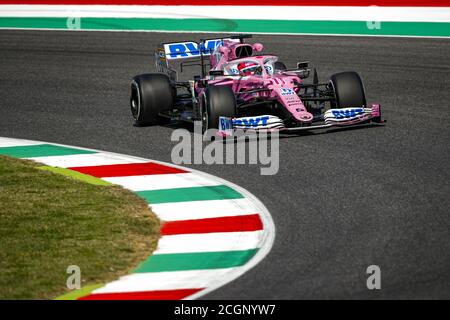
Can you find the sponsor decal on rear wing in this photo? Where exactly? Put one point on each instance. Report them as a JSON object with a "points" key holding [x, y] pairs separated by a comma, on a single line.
{"points": [[189, 49]]}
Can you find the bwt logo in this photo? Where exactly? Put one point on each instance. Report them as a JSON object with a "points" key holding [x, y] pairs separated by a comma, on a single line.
{"points": [[286, 91], [190, 49], [347, 113], [251, 122]]}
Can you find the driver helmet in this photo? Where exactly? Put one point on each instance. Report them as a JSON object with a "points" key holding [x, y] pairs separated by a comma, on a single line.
{"points": [[248, 68]]}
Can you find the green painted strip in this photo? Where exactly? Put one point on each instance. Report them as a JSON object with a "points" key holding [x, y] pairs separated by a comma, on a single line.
{"points": [[74, 295], [437, 29], [77, 175], [41, 150], [195, 261], [221, 192]]}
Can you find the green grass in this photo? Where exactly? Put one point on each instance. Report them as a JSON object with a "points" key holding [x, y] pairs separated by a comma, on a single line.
{"points": [[50, 221]]}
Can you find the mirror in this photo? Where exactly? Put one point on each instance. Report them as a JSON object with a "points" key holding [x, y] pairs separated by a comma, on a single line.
{"points": [[302, 65], [216, 72]]}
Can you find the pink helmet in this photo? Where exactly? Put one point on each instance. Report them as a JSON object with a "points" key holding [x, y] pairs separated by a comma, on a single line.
{"points": [[248, 68]]}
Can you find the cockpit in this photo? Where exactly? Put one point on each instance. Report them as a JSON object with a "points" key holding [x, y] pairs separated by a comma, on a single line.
{"points": [[255, 66]]}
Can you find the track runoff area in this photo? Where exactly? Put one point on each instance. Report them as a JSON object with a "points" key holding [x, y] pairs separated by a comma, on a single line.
{"points": [[415, 18]]}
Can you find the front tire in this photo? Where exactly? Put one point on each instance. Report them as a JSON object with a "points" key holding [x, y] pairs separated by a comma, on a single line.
{"points": [[151, 94], [348, 90], [219, 101]]}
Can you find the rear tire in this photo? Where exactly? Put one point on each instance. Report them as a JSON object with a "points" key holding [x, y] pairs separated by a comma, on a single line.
{"points": [[348, 90], [219, 101], [151, 94]]}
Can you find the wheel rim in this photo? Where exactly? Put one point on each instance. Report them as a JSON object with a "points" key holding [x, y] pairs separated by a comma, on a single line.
{"points": [[205, 121], [336, 105], [135, 101]]}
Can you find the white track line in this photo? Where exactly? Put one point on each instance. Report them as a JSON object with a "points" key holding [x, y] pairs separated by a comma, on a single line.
{"points": [[162, 181], [7, 142], [85, 160], [326, 13], [139, 282], [234, 32], [209, 242]]}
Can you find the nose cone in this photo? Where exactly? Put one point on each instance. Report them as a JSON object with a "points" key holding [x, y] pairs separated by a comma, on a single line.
{"points": [[304, 116]]}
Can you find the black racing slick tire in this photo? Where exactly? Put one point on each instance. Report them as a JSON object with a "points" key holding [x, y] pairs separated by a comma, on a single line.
{"points": [[151, 94], [219, 101], [348, 90]]}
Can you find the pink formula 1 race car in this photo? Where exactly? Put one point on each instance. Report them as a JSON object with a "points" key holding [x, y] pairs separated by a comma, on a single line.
{"points": [[241, 88]]}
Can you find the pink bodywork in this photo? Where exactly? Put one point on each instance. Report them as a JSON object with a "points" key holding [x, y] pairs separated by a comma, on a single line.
{"points": [[282, 87]]}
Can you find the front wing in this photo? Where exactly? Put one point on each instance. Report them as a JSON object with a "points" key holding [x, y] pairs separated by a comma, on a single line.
{"points": [[332, 118]]}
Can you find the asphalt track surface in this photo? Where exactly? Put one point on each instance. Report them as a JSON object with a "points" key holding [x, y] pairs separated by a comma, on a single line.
{"points": [[341, 201]]}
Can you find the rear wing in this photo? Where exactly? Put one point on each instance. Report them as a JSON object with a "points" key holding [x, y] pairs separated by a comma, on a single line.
{"points": [[188, 49], [196, 52]]}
